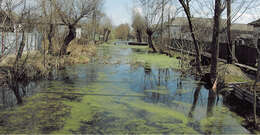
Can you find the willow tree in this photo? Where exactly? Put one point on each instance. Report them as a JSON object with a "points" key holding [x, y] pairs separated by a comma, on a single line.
{"points": [[106, 24], [70, 13], [138, 24], [152, 16]]}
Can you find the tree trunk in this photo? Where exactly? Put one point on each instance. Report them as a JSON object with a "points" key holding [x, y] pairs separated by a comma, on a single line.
{"points": [[21, 48], [94, 17], [198, 56], [162, 20], [68, 39], [150, 41], [215, 40], [17, 94], [254, 88], [139, 36], [230, 58], [256, 80], [107, 35], [50, 35]]}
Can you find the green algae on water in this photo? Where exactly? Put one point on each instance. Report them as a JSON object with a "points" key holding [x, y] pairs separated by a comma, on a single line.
{"points": [[157, 60], [158, 91]]}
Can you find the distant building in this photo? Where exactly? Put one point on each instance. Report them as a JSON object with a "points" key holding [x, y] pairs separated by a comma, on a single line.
{"points": [[256, 25], [204, 29]]}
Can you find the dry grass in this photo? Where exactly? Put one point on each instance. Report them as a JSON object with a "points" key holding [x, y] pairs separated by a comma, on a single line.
{"points": [[80, 54], [35, 68]]}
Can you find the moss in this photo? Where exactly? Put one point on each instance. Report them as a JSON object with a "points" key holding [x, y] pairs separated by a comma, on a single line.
{"points": [[234, 78], [158, 91], [126, 46], [157, 60], [40, 114], [182, 91]]}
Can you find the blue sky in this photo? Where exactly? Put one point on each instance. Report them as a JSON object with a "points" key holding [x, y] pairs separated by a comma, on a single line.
{"points": [[119, 10]]}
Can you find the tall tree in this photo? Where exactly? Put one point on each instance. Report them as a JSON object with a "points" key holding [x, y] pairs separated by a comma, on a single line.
{"points": [[138, 25], [186, 6], [219, 8]]}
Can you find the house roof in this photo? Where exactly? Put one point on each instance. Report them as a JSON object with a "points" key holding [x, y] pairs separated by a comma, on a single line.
{"points": [[255, 23]]}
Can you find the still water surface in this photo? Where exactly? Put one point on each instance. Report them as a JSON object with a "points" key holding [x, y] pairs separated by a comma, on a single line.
{"points": [[115, 94]]}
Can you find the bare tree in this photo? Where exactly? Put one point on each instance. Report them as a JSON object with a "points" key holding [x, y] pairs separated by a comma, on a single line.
{"points": [[107, 28], [71, 12], [219, 8], [49, 15], [186, 6], [152, 15], [16, 72]]}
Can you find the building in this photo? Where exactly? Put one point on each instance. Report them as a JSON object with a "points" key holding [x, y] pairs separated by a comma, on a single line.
{"points": [[203, 28], [256, 25]]}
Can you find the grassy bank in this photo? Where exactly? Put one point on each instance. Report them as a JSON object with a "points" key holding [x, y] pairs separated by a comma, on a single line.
{"points": [[228, 72], [35, 65]]}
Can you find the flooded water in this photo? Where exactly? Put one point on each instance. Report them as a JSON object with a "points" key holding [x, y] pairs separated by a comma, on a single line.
{"points": [[119, 93]]}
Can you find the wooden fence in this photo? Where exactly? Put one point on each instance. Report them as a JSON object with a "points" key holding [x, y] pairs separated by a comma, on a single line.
{"points": [[10, 42], [245, 54]]}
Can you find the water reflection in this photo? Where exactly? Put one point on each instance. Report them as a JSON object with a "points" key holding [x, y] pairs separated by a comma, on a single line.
{"points": [[8, 98], [211, 102], [195, 100]]}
